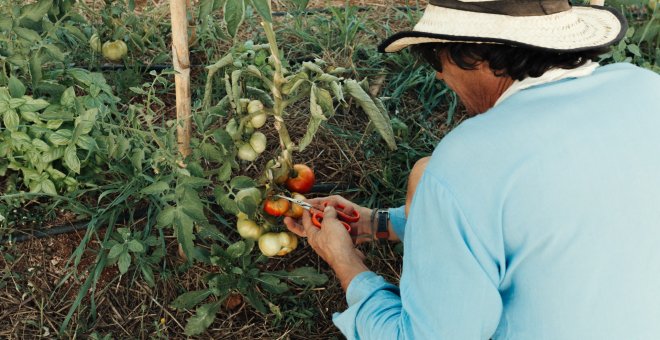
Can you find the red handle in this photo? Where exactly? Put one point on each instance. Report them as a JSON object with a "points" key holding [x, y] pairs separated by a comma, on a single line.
{"points": [[341, 213]]}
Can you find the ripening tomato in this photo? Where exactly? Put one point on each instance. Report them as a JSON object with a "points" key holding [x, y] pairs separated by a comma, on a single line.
{"points": [[288, 241], [277, 244], [276, 207], [295, 211], [302, 179], [269, 244]]}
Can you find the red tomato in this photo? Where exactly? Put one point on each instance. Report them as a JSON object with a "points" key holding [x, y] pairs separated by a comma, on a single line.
{"points": [[302, 179], [276, 207]]}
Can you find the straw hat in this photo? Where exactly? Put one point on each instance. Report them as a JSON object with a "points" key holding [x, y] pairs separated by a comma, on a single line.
{"points": [[552, 25]]}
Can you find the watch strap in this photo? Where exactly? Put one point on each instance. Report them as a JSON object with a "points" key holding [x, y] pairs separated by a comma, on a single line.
{"points": [[382, 219]]}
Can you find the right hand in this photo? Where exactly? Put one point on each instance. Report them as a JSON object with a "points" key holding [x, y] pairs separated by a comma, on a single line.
{"points": [[363, 225]]}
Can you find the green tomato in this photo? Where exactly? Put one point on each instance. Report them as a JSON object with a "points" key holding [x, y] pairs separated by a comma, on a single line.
{"points": [[258, 142], [255, 106], [114, 50], [249, 229], [247, 153], [258, 120], [232, 128], [95, 43]]}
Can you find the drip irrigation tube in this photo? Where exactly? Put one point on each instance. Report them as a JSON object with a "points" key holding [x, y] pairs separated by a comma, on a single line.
{"points": [[17, 237]]}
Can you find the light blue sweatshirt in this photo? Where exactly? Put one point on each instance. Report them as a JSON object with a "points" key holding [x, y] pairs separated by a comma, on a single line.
{"points": [[538, 219]]}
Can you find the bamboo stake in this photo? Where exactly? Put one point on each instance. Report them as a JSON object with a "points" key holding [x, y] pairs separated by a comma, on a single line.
{"points": [[181, 63]]}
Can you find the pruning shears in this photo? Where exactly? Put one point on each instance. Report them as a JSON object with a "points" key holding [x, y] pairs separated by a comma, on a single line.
{"points": [[317, 213]]}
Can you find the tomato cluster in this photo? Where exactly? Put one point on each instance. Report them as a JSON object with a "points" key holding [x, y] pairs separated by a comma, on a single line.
{"points": [[301, 179]]}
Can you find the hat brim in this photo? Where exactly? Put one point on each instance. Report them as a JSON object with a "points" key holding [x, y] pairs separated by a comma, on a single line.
{"points": [[581, 28]]}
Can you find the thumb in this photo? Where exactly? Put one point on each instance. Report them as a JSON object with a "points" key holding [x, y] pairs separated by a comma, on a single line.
{"points": [[329, 212]]}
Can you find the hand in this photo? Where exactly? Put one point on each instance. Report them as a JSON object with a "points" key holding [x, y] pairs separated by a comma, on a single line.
{"points": [[363, 226], [333, 243]]}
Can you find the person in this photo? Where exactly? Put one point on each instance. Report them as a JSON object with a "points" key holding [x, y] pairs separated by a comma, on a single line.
{"points": [[539, 216]]}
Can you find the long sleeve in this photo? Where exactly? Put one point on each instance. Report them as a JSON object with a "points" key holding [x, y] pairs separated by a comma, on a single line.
{"points": [[449, 284], [398, 221]]}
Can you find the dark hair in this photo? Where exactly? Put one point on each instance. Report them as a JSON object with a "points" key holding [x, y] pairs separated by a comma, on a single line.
{"points": [[515, 62]]}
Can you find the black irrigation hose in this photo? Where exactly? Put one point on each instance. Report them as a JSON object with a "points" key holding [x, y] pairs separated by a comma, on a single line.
{"points": [[64, 229]]}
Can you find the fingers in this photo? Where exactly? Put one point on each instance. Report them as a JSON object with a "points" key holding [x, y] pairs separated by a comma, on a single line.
{"points": [[294, 226], [310, 229]]}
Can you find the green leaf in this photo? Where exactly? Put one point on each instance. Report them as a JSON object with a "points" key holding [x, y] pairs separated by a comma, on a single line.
{"points": [[68, 98], [225, 172], [190, 299], [204, 317], [48, 187], [147, 274], [87, 143], [5, 24], [242, 182], [11, 120], [40, 145], [247, 205], [211, 152], [634, 49], [166, 216], [184, 233], [137, 158], [27, 34], [263, 9], [237, 249], [314, 120], [116, 250], [36, 11], [124, 262], [35, 68], [61, 137], [14, 103], [273, 284], [381, 122], [16, 88], [71, 159], [255, 300], [337, 91], [234, 11], [205, 9], [54, 52], [85, 122], [156, 188], [135, 246], [33, 105], [227, 204], [307, 276], [312, 67]]}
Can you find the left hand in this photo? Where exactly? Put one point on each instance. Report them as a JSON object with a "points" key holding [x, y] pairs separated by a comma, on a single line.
{"points": [[334, 244]]}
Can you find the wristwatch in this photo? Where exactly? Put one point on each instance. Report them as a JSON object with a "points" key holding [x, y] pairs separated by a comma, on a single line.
{"points": [[382, 217]]}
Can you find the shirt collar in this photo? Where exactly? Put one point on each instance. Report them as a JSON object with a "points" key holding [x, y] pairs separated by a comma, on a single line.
{"points": [[548, 77]]}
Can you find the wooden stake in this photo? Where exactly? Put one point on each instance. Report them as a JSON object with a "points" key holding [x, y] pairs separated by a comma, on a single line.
{"points": [[597, 2], [181, 63]]}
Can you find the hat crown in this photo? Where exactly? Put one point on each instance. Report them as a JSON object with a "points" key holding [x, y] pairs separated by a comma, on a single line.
{"points": [[506, 7]]}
